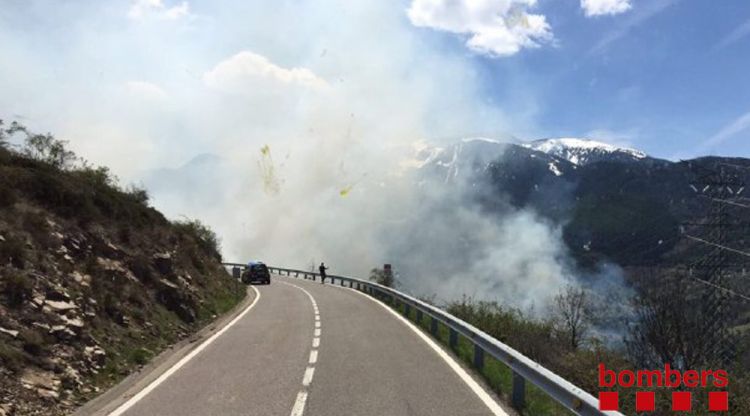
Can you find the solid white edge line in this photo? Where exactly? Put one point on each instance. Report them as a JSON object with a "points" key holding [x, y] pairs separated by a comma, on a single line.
{"points": [[309, 373], [313, 356], [488, 401], [299, 404], [154, 384]]}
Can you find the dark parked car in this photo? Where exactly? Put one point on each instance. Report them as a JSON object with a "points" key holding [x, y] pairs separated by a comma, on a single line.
{"points": [[256, 271]]}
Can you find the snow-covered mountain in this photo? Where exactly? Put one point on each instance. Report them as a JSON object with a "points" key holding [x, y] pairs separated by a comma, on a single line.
{"points": [[581, 151]]}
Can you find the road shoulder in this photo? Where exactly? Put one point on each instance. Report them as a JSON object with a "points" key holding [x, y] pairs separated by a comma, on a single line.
{"points": [[134, 383]]}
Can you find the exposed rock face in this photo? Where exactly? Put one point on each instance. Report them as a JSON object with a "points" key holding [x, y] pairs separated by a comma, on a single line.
{"points": [[78, 311], [176, 300]]}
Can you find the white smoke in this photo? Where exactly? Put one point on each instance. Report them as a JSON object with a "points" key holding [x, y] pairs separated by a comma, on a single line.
{"points": [[301, 120]]}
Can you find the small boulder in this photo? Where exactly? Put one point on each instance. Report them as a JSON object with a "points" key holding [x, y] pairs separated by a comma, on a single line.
{"points": [[163, 263], [59, 306], [9, 332], [62, 332]]}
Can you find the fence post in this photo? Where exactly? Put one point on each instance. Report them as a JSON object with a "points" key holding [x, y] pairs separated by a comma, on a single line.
{"points": [[518, 399], [434, 326], [453, 339], [478, 357]]}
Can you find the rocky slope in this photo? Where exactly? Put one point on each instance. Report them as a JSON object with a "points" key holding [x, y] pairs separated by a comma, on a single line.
{"points": [[93, 283]]}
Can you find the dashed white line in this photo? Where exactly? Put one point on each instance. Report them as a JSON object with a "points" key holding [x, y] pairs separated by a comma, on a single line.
{"points": [[307, 379], [299, 404]]}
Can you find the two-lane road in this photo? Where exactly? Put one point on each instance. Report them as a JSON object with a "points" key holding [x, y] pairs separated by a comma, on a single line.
{"points": [[310, 349]]}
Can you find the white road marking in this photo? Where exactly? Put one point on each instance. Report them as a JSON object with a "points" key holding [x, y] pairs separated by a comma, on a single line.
{"points": [[307, 379], [154, 384], [299, 404], [488, 401]]}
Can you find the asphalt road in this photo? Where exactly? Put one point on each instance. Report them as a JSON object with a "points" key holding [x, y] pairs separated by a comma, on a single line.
{"points": [[310, 349]]}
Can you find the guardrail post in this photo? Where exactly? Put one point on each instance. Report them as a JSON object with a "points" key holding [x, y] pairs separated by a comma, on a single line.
{"points": [[296, 274], [419, 316], [434, 326], [478, 357], [518, 397], [407, 310], [453, 338]]}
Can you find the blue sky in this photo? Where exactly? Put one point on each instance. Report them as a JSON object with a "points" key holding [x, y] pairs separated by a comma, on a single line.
{"points": [[669, 80], [665, 76]]}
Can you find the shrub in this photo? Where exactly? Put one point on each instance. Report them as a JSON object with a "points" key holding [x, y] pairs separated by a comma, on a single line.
{"points": [[382, 277], [141, 268], [8, 194], [140, 356], [202, 234], [12, 251], [47, 149], [11, 357], [140, 195], [17, 290], [36, 225], [33, 341]]}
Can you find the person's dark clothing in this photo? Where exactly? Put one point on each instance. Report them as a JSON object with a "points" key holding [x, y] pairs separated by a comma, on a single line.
{"points": [[322, 269]]}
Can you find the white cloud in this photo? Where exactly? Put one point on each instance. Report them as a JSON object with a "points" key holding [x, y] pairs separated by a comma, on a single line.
{"points": [[737, 34], [494, 28], [639, 16], [605, 7], [730, 130], [238, 71], [145, 90], [140, 9]]}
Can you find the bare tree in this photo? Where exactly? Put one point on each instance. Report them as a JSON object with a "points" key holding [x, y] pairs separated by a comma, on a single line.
{"points": [[669, 325], [573, 310]]}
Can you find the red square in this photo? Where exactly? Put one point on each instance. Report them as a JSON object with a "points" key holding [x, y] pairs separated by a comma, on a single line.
{"points": [[645, 401], [682, 401], [718, 401], [609, 400]]}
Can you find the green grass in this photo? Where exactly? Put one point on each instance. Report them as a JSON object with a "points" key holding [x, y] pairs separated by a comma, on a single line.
{"points": [[497, 375]]}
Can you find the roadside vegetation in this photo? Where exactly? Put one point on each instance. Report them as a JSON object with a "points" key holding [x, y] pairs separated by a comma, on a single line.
{"points": [[566, 342]]}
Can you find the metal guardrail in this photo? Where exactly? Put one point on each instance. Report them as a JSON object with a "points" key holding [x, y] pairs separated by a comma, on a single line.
{"points": [[568, 395]]}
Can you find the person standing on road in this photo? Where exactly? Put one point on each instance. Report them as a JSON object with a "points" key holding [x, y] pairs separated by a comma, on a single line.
{"points": [[322, 269]]}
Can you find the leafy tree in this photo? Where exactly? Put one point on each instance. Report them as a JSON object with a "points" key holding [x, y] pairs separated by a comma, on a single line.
{"points": [[382, 277]]}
